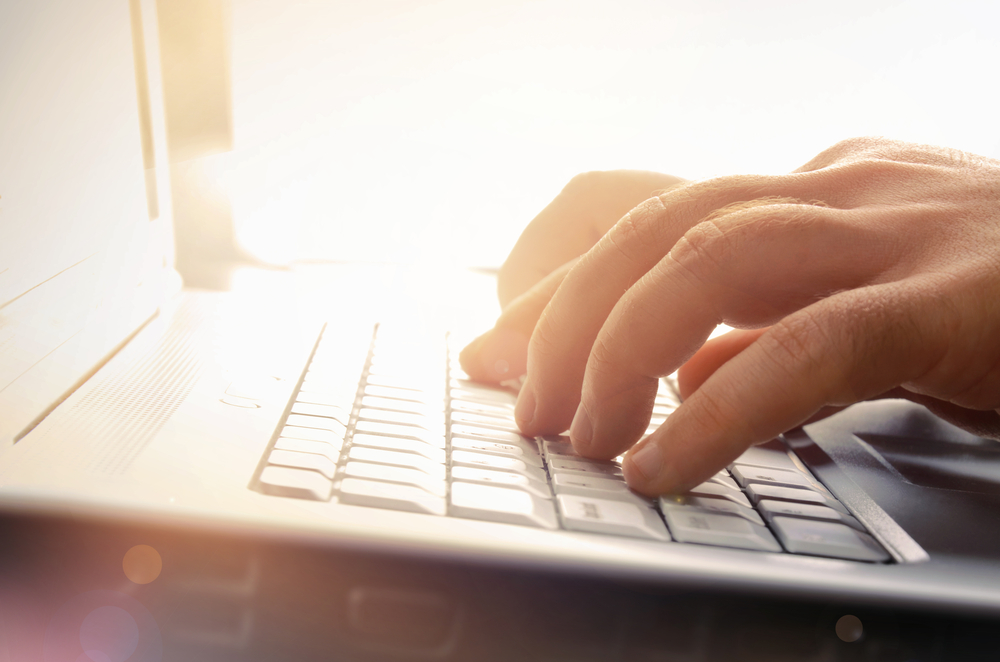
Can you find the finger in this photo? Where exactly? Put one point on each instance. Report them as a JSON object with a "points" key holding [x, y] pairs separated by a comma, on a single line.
{"points": [[711, 356], [566, 331], [502, 352], [843, 349], [572, 223], [727, 251], [741, 268]]}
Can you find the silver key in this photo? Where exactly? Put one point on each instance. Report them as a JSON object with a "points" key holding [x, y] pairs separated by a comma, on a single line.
{"points": [[622, 518], [762, 491], [505, 424], [376, 494], [331, 451], [326, 411], [312, 434], [325, 397], [708, 504], [461, 458], [771, 508], [499, 411], [484, 395], [379, 388], [710, 489], [560, 447], [284, 458], [501, 504], [376, 402], [596, 487], [421, 448], [402, 418], [318, 423], [722, 478], [757, 456], [745, 475], [473, 432], [297, 483], [394, 458], [502, 478], [400, 430], [803, 536], [404, 475], [582, 465], [529, 456], [716, 529]]}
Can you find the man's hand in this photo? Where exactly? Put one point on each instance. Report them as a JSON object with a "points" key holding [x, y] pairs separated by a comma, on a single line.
{"points": [[873, 269]]}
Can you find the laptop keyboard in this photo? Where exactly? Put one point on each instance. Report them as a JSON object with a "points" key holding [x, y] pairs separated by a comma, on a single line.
{"points": [[416, 435]]}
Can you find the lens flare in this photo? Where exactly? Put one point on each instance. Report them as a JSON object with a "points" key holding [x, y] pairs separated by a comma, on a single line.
{"points": [[142, 564]]}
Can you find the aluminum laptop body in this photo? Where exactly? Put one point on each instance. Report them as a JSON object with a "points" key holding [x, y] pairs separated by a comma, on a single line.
{"points": [[137, 417]]}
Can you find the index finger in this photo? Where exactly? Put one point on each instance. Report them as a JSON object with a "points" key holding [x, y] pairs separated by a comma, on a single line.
{"points": [[573, 222]]}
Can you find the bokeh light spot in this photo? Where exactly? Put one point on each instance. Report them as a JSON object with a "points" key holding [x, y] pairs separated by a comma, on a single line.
{"points": [[142, 564], [849, 628], [109, 634]]}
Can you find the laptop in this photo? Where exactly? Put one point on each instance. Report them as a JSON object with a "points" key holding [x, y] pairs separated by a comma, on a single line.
{"points": [[299, 468]]}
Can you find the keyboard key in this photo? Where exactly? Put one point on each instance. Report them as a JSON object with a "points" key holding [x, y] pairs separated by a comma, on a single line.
{"points": [[295, 483], [819, 538], [709, 489], [723, 478], [403, 475], [494, 448], [717, 529], [403, 418], [377, 494], [501, 504], [623, 518], [495, 410], [771, 458], [327, 411], [770, 508], [343, 397], [596, 487], [397, 459], [395, 404], [376, 386], [400, 430], [559, 446], [503, 478], [584, 466], [398, 444], [312, 434], [475, 393], [285, 458], [318, 423], [331, 451], [710, 505], [746, 474], [505, 423], [475, 432], [461, 458], [800, 495]]}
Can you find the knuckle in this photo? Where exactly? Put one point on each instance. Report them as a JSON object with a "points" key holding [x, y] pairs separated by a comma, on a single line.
{"points": [[584, 183], [704, 251]]}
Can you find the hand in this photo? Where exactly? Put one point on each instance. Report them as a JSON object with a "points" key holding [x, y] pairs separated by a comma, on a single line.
{"points": [[872, 270], [566, 229]]}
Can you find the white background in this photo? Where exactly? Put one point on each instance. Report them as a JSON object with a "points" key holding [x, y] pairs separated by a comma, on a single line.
{"points": [[419, 131]]}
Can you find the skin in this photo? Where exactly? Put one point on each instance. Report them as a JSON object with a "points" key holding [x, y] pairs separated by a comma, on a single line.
{"points": [[872, 271]]}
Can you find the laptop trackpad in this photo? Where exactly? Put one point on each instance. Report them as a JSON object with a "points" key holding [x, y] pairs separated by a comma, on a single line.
{"points": [[969, 465], [938, 482]]}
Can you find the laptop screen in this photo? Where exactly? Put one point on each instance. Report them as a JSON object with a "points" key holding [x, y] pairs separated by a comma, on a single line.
{"points": [[84, 247]]}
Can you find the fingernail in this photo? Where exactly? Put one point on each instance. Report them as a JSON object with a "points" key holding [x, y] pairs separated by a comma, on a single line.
{"points": [[581, 432], [524, 410], [647, 462]]}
